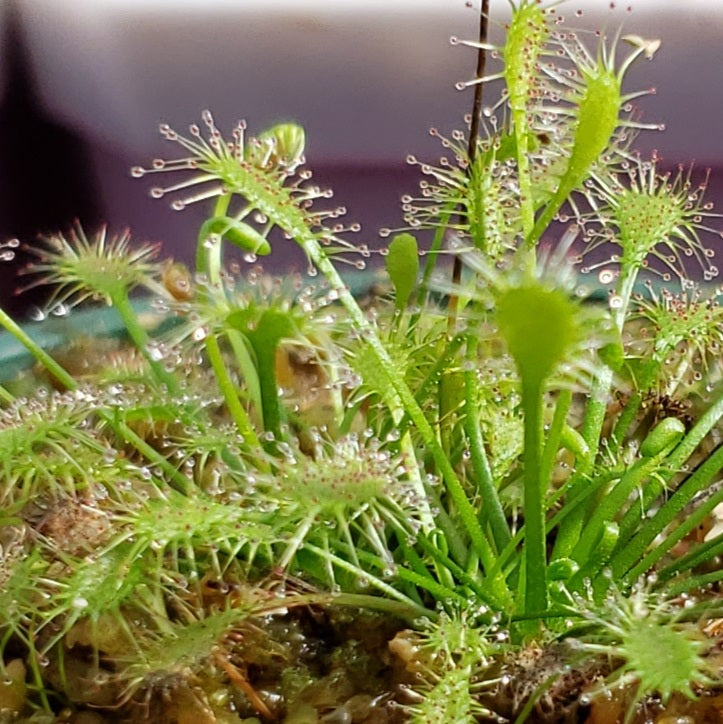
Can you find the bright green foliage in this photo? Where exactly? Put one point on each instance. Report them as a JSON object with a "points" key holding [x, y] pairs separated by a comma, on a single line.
{"points": [[235, 231], [91, 588], [448, 700], [499, 443], [478, 192], [527, 36], [99, 269], [654, 219], [402, 263], [178, 650], [598, 109], [666, 433], [280, 146], [255, 171], [186, 528], [683, 336], [539, 326], [349, 493], [264, 333], [596, 99], [659, 653], [450, 658], [670, 665]]}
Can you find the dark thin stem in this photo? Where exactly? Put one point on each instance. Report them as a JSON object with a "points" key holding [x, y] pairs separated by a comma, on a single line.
{"points": [[472, 142], [478, 89]]}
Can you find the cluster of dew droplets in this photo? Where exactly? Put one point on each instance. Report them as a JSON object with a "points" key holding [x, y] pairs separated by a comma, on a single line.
{"points": [[208, 161], [8, 249], [450, 183], [353, 478], [204, 151], [629, 209], [686, 330]]}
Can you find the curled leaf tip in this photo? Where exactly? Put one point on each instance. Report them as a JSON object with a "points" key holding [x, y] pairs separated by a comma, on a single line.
{"points": [[648, 47]]}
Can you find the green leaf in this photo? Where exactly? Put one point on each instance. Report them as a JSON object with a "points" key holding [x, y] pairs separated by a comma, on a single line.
{"points": [[403, 266], [237, 232], [271, 328]]}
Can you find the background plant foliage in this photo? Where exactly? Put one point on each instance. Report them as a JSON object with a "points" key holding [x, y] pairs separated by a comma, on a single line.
{"points": [[489, 456]]}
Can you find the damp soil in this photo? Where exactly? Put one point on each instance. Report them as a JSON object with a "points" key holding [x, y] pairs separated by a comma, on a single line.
{"points": [[334, 666]]}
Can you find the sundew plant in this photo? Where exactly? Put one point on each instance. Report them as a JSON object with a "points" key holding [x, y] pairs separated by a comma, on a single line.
{"points": [[514, 454]]}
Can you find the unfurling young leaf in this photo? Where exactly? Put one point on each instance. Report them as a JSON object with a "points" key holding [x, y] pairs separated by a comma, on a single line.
{"points": [[403, 266]]}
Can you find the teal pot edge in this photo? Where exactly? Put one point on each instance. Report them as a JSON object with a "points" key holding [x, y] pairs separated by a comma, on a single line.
{"points": [[55, 331]]}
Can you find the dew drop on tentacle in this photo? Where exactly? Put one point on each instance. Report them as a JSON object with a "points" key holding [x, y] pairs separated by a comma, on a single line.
{"points": [[155, 351], [60, 310], [199, 334]]}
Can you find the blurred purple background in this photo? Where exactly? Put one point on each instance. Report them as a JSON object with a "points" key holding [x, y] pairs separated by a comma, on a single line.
{"points": [[85, 83]]}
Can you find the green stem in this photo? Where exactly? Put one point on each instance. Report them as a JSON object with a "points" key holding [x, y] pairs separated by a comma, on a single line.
{"points": [[69, 383], [208, 259], [527, 207], [491, 510], [702, 553], [638, 510], [435, 246], [246, 365], [6, 396], [425, 581], [401, 609], [695, 583], [431, 379], [607, 509], [372, 581], [702, 427], [446, 528], [37, 351], [592, 426], [228, 390], [269, 388], [628, 277], [634, 552], [294, 543], [139, 337], [175, 479], [508, 558], [552, 444], [536, 599], [404, 401], [445, 562], [625, 419]]}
